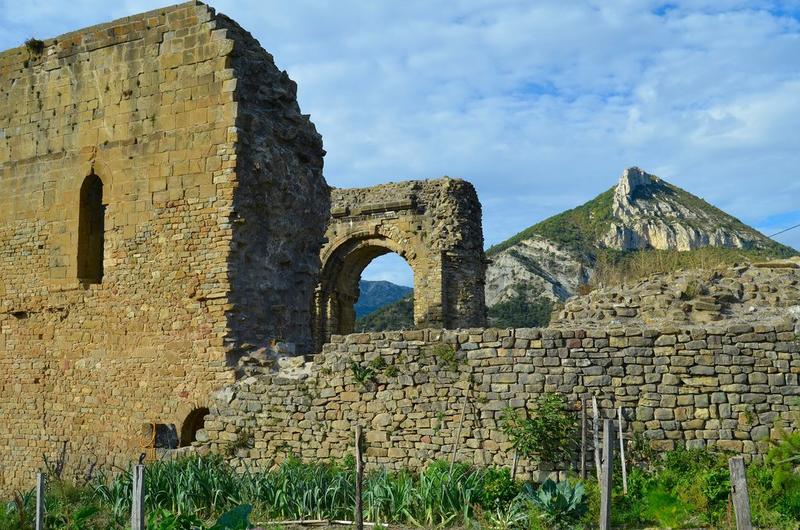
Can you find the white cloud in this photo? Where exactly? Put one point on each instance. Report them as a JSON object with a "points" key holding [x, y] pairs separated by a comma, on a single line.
{"points": [[540, 104]]}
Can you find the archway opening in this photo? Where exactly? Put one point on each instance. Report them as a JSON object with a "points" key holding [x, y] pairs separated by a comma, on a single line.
{"points": [[339, 290], [386, 295], [193, 423], [91, 230]]}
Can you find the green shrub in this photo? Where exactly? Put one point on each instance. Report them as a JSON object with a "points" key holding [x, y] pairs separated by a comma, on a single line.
{"points": [[363, 375], [499, 489], [34, 46], [445, 353], [378, 363], [784, 457], [548, 434]]}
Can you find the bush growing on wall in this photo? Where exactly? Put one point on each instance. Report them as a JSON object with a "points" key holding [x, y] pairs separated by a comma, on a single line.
{"points": [[547, 433]]}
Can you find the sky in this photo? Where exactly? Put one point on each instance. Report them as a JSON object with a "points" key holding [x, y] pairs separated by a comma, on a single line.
{"points": [[540, 104]]}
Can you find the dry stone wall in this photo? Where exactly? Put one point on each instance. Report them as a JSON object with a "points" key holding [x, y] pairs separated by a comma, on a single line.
{"points": [[749, 292], [730, 387], [199, 144]]}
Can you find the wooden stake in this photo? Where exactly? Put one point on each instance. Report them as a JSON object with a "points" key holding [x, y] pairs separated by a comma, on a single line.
{"points": [[359, 481], [583, 439], [40, 486], [137, 507], [741, 499], [622, 454], [514, 465], [596, 437], [607, 480], [458, 432]]}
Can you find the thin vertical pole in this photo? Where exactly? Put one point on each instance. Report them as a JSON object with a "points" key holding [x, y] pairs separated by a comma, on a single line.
{"points": [[137, 507], [359, 480], [622, 454], [40, 486], [514, 465], [583, 439], [607, 480], [596, 437], [458, 431], [741, 499]]}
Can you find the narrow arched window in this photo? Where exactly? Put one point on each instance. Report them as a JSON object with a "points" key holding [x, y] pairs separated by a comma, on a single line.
{"points": [[91, 227]]}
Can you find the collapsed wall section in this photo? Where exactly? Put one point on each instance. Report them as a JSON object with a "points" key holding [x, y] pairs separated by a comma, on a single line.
{"points": [[731, 387], [281, 205]]}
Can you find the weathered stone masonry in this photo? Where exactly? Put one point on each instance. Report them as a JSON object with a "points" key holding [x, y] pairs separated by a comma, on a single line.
{"points": [[213, 211], [729, 387], [161, 221], [435, 225]]}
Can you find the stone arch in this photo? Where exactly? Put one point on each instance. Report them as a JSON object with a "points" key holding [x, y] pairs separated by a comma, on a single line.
{"points": [[192, 423], [343, 263], [91, 229], [435, 225]]}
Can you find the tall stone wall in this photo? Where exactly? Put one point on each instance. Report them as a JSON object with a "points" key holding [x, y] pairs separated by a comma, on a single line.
{"points": [[202, 153], [281, 207], [731, 387]]}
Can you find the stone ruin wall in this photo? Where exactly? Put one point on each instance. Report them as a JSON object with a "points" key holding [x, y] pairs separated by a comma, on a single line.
{"points": [[435, 225], [161, 107], [728, 386], [747, 292], [204, 157]]}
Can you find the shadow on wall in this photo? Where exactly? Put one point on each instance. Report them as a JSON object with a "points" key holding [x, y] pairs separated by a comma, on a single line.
{"points": [[167, 436]]}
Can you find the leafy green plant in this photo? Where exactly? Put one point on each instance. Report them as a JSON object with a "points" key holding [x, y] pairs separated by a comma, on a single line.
{"points": [[783, 461], [445, 353], [378, 363], [162, 519], [499, 489], [784, 456], [34, 46], [561, 504], [548, 433], [14, 514], [363, 375], [678, 488], [244, 440], [236, 519]]}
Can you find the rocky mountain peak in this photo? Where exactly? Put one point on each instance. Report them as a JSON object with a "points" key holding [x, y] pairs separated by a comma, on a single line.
{"points": [[641, 212], [633, 183], [648, 212], [632, 179]]}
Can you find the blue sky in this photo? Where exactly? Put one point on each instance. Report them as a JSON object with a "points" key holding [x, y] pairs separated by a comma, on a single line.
{"points": [[541, 104]]}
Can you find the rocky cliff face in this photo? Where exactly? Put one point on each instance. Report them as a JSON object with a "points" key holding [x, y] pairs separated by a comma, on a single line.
{"points": [[650, 213], [642, 212], [535, 266]]}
